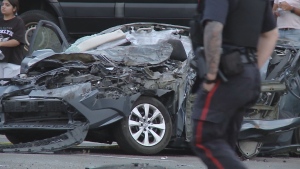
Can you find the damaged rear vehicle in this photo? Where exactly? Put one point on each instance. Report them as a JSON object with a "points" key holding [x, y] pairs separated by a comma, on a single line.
{"points": [[126, 84], [271, 127]]}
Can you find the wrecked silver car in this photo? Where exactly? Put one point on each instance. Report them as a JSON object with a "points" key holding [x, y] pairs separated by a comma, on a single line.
{"points": [[126, 84]]}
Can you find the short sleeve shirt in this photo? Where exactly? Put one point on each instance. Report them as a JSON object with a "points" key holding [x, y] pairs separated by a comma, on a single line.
{"points": [[286, 18], [12, 29], [217, 10]]}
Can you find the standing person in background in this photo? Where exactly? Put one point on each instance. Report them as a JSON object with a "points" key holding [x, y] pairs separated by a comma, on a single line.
{"points": [[288, 18], [234, 34], [12, 39]]}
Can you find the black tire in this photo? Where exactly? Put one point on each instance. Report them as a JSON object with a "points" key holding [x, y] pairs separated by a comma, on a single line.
{"points": [[17, 138], [123, 133], [23, 137], [32, 17]]}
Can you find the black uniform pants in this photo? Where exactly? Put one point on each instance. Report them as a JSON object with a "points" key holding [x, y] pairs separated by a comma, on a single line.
{"points": [[218, 115]]}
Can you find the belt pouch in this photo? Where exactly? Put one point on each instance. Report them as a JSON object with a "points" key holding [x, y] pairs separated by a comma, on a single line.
{"points": [[231, 63]]}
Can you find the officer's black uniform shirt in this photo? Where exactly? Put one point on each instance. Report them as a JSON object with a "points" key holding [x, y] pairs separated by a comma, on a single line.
{"points": [[217, 10]]}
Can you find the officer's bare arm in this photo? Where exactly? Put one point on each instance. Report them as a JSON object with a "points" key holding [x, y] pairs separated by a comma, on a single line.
{"points": [[212, 47], [265, 46]]}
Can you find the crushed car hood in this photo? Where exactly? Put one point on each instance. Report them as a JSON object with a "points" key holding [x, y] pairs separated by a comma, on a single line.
{"points": [[148, 47]]}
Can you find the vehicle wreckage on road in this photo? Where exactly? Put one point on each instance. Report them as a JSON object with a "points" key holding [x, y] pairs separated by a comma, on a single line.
{"points": [[125, 84], [271, 127], [128, 84]]}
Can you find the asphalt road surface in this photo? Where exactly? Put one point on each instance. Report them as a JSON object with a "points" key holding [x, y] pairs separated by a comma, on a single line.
{"points": [[104, 155]]}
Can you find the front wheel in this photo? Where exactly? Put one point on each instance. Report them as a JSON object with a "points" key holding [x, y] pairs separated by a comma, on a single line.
{"points": [[147, 130]]}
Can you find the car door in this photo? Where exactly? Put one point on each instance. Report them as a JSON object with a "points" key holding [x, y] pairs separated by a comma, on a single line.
{"points": [[47, 35], [177, 12], [85, 17]]}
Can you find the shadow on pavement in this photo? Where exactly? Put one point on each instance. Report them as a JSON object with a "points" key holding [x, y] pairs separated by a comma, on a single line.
{"points": [[117, 151]]}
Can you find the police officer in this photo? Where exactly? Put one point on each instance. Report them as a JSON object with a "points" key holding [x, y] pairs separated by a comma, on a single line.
{"points": [[235, 34]]}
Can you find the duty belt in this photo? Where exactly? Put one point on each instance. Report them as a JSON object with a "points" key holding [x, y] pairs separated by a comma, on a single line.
{"points": [[247, 59]]}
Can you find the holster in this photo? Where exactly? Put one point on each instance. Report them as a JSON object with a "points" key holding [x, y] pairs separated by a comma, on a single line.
{"points": [[196, 31], [198, 63], [231, 63]]}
